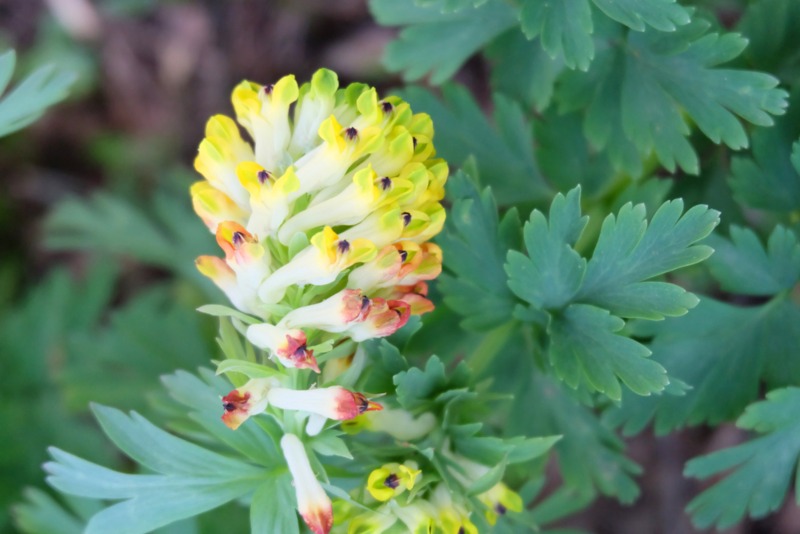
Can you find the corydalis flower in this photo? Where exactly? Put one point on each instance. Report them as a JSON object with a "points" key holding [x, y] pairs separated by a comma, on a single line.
{"points": [[313, 503], [322, 158], [253, 398], [390, 480]]}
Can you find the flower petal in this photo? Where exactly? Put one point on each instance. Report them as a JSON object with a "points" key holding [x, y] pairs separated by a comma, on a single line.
{"points": [[313, 503]]}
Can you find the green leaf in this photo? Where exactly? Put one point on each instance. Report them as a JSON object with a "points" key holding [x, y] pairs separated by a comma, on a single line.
{"points": [[522, 69], [35, 331], [218, 310], [719, 350], [41, 514], [564, 28], [563, 502], [415, 385], [769, 178], [491, 450], [743, 266], [639, 96], [567, 159], [629, 251], [503, 151], [170, 238], [432, 387], [584, 349], [29, 99], [663, 15], [590, 455], [486, 481], [269, 509], [236, 349], [249, 369], [330, 444], [435, 42], [585, 302], [475, 242], [449, 6], [770, 28], [118, 361], [161, 452], [552, 272], [189, 480], [760, 470]]}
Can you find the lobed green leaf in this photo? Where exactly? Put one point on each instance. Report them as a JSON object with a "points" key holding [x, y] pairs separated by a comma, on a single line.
{"points": [[769, 178], [522, 69], [503, 152], [551, 272], [742, 265], [475, 241], [586, 350], [636, 96], [663, 15], [590, 455], [721, 353], [761, 469], [630, 250], [435, 42], [564, 29]]}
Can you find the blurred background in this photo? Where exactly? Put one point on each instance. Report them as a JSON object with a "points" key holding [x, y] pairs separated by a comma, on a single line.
{"points": [[97, 281]]}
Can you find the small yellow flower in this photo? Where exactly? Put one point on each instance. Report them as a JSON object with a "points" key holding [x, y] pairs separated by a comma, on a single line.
{"points": [[391, 480], [453, 518], [499, 500], [371, 522]]}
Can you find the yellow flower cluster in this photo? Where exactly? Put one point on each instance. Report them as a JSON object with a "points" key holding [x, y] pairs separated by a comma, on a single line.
{"points": [[325, 219]]}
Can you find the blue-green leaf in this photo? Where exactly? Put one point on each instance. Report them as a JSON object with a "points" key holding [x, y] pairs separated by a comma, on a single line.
{"points": [[28, 101], [449, 6], [743, 266], [41, 514], [636, 96], [564, 29], [168, 497], [268, 511], [522, 69], [475, 242], [590, 455], [663, 15], [435, 42], [769, 178], [720, 351], [551, 272], [630, 251], [761, 469], [503, 152], [586, 350]]}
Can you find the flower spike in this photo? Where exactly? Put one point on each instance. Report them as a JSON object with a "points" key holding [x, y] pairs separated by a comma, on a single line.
{"points": [[324, 223]]}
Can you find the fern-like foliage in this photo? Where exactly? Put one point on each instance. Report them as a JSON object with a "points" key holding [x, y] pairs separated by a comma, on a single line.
{"points": [[32, 96]]}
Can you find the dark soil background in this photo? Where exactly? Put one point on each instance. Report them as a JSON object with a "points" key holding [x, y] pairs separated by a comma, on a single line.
{"points": [[152, 73]]}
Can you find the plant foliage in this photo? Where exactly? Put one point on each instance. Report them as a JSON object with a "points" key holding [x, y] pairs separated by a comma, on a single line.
{"points": [[588, 290], [28, 100]]}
